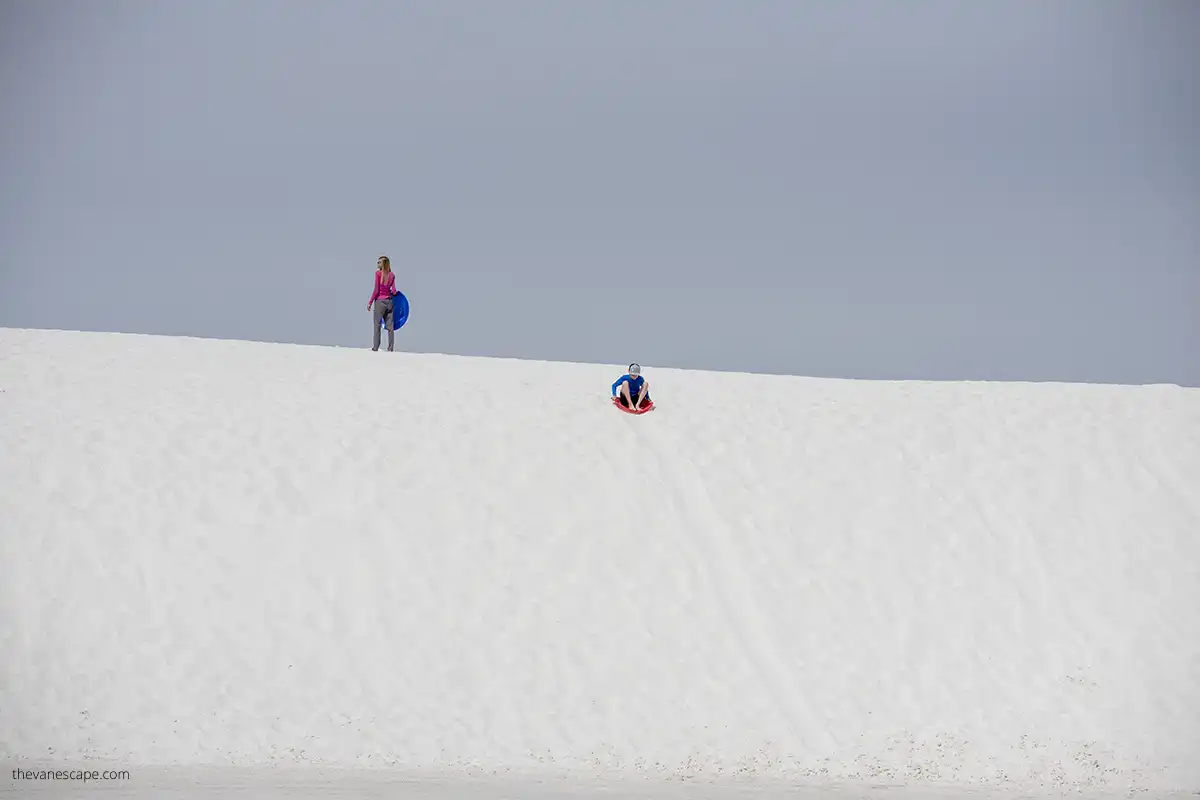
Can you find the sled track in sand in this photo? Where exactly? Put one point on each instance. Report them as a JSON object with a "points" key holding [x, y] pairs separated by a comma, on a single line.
{"points": [[718, 564]]}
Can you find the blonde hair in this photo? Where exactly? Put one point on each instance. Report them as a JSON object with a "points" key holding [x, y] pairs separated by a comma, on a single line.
{"points": [[387, 264]]}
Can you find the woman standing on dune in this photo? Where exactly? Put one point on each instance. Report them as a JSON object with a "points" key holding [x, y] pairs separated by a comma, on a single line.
{"points": [[381, 299]]}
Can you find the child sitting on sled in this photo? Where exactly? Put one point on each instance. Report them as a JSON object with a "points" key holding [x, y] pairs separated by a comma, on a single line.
{"points": [[632, 390]]}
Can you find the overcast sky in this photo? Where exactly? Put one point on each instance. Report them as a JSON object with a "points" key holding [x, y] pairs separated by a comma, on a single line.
{"points": [[1004, 190]]}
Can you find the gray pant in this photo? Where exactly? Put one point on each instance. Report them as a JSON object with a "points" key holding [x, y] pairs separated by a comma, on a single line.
{"points": [[384, 313]]}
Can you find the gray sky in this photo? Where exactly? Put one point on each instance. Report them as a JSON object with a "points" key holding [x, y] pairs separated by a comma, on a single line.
{"points": [[1004, 190]]}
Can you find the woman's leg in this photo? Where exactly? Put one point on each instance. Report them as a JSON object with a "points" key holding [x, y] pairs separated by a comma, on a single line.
{"points": [[376, 318], [389, 318]]}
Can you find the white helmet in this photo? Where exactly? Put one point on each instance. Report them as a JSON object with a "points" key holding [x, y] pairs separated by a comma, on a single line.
{"points": [[635, 369]]}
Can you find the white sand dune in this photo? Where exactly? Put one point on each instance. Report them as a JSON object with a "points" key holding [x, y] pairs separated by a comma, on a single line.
{"points": [[224, 554]]}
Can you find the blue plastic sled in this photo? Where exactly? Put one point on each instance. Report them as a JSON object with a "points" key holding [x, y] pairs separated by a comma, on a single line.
{"points": [[399, 312]]}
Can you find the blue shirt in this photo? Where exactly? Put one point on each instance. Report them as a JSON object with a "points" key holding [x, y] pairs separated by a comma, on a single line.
{"points": [[635, 385]]}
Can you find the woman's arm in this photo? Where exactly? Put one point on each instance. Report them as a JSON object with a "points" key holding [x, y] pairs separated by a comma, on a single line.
{"points": [[375, 293]]}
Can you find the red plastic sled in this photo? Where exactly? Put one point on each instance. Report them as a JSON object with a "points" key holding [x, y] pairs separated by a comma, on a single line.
{"points": [[649, 406]]}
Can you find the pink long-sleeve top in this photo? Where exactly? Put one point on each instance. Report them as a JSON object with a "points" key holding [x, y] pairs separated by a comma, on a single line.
{"points": [[384, 287]]}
